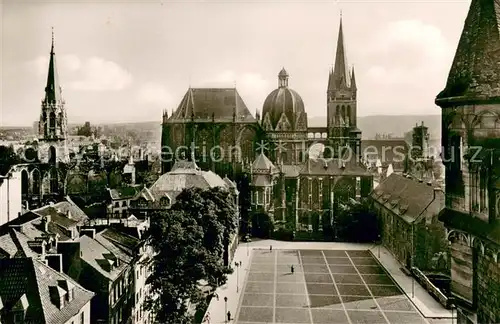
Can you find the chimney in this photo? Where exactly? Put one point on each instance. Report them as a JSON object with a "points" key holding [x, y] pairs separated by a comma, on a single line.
{"points": [[45, 223], [90, 232], [55, 261]]}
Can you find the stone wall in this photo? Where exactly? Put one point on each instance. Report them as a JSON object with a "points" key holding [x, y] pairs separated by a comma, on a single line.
{"points": [[488, 290]]}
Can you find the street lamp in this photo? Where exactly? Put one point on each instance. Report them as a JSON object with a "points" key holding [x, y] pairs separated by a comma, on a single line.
{"points": [[238, 265], [225, 307]]}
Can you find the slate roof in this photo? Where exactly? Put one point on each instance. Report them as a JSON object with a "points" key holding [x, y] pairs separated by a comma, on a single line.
{"points": [[388, 151], [325, 167], [221, 104], [67, 208], [262, 164], [184, 175], [94, 254], [406, 197], [475, 72], [31, 280]]}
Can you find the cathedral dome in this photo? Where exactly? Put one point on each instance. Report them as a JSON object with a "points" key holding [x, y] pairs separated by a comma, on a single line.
{"points": [[283, 107]]}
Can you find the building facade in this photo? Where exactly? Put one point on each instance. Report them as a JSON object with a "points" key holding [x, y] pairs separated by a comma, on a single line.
{"points": [[470, 106], [272, 151], [408, 212]]}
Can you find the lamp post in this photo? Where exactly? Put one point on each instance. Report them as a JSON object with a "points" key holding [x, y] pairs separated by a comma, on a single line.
{"points": [[225, 307], [238, 265]]}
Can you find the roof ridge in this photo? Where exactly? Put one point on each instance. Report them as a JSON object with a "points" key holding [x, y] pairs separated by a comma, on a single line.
{"points": [[37, 287]]}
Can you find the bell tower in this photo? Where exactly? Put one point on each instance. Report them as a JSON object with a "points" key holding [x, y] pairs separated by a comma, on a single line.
{"points": [[342, 104], [53, 126]]}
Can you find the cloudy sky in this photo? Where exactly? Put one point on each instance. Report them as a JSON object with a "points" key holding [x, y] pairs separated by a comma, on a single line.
{"points": [[125, 60]]}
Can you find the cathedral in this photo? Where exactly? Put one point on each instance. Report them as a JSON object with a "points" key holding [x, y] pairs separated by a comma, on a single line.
{"points": [[271, 150]]}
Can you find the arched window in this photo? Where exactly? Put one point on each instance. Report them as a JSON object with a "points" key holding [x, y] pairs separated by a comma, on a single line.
{"points": [[24, 183], [52, 155], [54, 186], [36, 180], [52, 122]]}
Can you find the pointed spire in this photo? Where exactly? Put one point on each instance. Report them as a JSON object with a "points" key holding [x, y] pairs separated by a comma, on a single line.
{"points": [[475, 73], [53, 93], [339, 77], [353, 79]]}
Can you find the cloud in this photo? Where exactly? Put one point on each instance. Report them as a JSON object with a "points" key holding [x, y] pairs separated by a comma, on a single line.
{"points": [[406, 51], [408, 57], [91, 74], [154, 93]]}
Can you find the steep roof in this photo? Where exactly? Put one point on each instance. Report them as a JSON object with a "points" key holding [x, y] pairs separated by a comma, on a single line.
{"points": [[53, 91], [99, 257], [326, 167], [221, 104], [406, 197], [25, 282], [262, 164], [475, 72]]}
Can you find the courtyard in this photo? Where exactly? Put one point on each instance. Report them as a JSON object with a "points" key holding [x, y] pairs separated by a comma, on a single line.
{"points": [[327, 286]]}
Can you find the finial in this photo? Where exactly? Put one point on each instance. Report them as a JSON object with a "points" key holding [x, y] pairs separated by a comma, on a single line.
{"points": [[235, 84], [340, 13], [52, 47]]}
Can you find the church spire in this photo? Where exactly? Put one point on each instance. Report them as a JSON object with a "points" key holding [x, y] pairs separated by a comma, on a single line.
{"points": [[53, 93], [340, 76], [353, 79]]}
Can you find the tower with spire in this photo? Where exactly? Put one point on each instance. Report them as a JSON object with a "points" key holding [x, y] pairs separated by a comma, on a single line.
{"points": [[342, 103], [53, 126]]}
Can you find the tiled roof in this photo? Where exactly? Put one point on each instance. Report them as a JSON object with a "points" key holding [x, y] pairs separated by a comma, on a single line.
{"points": [[7, 246], [66, 207], [219, 103], [95, 255], [262, 164], [407, 197], [31, 280]]}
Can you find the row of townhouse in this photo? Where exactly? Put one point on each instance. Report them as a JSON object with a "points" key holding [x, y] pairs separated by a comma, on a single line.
{"points": [[105, 266]]}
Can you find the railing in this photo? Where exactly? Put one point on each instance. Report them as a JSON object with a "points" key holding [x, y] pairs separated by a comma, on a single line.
{"points": [[431, 288]]}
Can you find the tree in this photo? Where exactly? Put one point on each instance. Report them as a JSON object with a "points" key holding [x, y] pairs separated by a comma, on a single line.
{"points": [[356, 222], [8, 158], [85, 130], [189, 241], [262, 225]]}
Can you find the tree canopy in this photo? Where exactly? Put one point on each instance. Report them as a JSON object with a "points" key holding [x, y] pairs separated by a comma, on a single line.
{"points": [[190, 241], [8, 158], [356, 222]]}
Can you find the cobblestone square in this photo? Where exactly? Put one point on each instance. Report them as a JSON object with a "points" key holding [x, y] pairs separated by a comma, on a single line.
{"points": [[327, 286]]}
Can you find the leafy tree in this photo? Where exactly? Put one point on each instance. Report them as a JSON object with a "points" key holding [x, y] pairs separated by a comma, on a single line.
{"points": [[189, 240], [8, 158], [262, 225], [356, 222]]}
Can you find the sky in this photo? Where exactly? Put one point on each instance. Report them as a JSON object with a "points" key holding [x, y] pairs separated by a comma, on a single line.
{"points": [[126, 61]]}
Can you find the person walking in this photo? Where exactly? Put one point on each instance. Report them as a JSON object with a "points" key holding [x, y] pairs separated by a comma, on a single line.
{"points": [[270, 248], [292, 269], [228, 316]]}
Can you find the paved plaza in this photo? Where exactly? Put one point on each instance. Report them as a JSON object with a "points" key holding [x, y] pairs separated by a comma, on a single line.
{"points": [[327, 286]]}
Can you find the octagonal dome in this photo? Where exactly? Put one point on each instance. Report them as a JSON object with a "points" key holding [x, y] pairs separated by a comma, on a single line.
{"points": [[284, 102]]}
